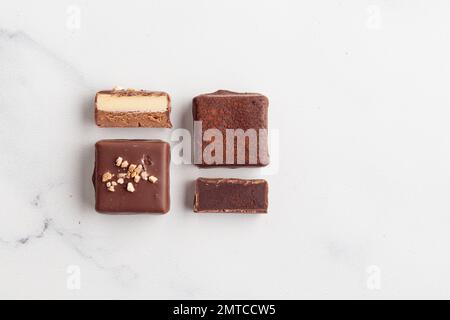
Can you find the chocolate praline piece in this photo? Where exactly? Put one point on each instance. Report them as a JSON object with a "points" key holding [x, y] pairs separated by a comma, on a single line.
{"points": [[132, 176], [132, 108], [223, 110], [231, 195]]}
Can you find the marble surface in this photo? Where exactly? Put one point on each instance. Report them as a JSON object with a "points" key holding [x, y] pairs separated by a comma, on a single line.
{"points": [[359, 199]]}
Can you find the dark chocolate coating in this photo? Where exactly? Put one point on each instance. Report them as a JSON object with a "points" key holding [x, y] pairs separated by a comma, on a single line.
{"points": [[230, 110], [148, 197], [231, 195]]}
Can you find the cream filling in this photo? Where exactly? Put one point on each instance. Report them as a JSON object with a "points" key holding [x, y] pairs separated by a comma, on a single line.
{"points": [[112, 103]]}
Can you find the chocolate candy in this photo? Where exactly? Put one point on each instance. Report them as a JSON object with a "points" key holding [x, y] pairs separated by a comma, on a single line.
{"points": [[230, 129], [132, 176], [231, 195], [132, 108]]}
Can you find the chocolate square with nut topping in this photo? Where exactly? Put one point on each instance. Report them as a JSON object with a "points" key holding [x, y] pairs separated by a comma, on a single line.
{"points": [[245, 114], [132, 176]]}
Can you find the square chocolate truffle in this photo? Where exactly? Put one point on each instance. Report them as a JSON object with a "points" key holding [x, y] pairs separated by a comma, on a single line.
{"points": [[132, 176], [230, 129]]}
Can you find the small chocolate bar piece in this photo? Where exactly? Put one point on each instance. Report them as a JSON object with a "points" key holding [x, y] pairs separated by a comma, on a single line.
{"points": [[233, 129], [132, 176], [132, 108], [231, 195]]}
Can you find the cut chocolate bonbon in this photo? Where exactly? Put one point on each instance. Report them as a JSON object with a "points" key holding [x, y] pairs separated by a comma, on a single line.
{"points": [[132, 108], [231, 195]]}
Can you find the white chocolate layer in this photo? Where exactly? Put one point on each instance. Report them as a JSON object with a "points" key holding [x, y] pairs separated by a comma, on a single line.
{"points": [[113, 103]]}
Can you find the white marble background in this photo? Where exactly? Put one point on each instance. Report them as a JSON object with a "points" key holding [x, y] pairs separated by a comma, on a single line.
{"points": [[359, 94]]}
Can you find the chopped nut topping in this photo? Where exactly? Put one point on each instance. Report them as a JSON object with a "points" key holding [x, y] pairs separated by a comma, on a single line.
{"points": [[134, 172], [130, 187], [119, 161], [107, 176], [139, 169]]}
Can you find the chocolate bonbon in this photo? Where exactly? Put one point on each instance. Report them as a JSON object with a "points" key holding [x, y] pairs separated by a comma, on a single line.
{"points": [[231, 129], [231, 195], [132, 108], [132, 176]]}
